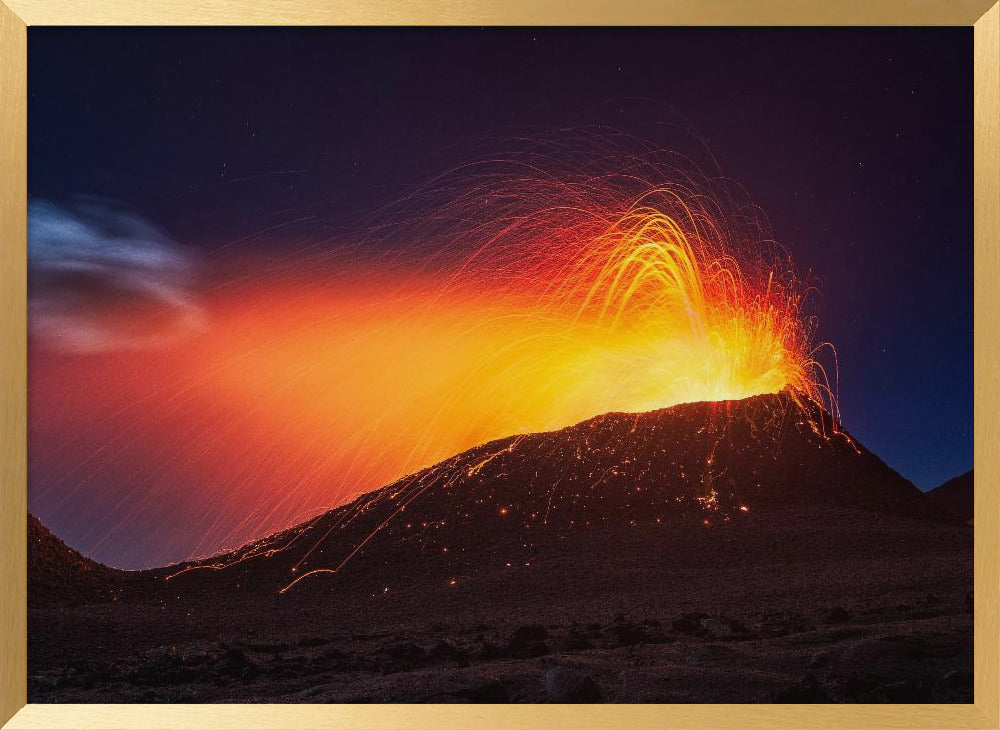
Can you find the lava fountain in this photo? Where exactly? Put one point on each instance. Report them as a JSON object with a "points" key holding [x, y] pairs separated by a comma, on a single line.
{"points": [[520, 294]]}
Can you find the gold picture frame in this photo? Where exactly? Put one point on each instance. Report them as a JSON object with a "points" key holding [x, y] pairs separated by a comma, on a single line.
{"points": [[16, 15]]}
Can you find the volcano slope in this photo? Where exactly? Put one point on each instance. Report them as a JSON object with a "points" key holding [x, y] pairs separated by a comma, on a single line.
{"points": [[738, 551]]}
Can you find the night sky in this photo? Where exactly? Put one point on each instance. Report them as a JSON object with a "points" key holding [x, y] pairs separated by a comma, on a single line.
{"points": [[857, 144]]}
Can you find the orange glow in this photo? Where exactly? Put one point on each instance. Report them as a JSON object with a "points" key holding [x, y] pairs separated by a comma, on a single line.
{"points": [[312, 386], [398, 373]]}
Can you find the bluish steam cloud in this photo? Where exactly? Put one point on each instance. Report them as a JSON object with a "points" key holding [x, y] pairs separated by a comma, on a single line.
{"points": [[101, 277]]}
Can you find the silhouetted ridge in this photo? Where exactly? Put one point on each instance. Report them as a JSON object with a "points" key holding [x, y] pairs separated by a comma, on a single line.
{"points": [[58, 573], [956, 496]]}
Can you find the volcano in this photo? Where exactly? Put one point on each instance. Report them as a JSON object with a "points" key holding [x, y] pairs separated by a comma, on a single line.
{"points": [[748, 550], [706, 464]]}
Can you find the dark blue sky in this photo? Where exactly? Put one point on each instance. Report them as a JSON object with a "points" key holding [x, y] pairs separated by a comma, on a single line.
{"points": [[857, 143]]}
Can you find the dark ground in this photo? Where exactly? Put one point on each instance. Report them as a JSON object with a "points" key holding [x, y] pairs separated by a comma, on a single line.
{"points": [[850, 594], [878, 612]]}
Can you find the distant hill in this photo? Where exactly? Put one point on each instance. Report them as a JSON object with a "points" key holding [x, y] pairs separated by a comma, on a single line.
{"points": [[56, 572], [955, 496]]}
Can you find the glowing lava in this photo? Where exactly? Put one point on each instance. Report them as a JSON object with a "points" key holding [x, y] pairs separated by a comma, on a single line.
{"points": [[563, 313], [528, 300]]}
